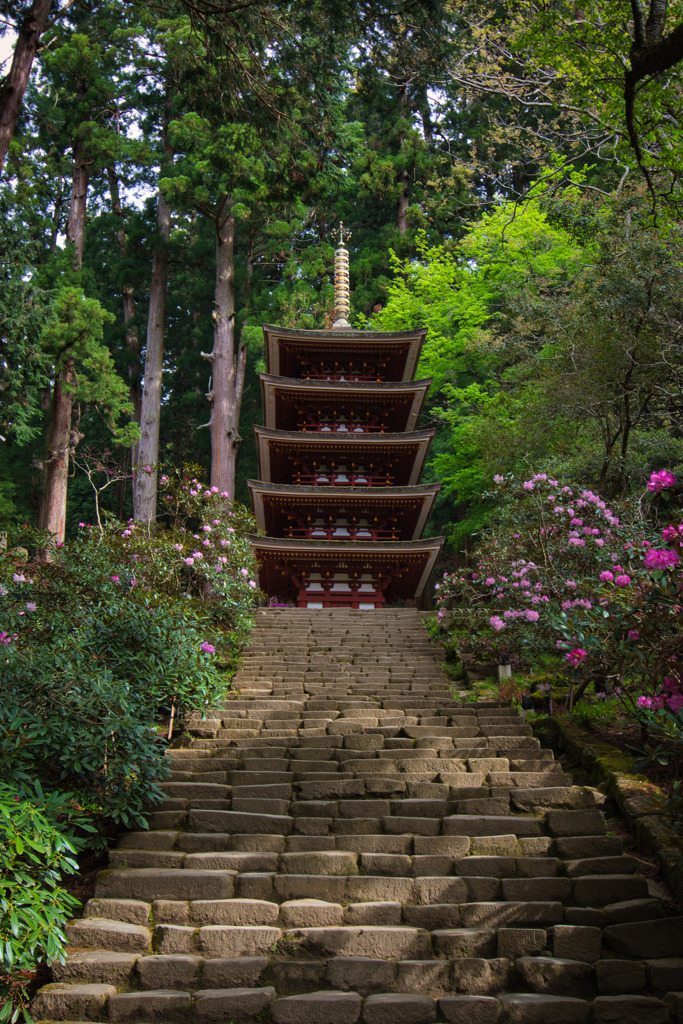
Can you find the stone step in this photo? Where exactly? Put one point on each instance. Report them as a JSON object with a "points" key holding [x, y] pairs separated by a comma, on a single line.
{"points": [[343, 842]]}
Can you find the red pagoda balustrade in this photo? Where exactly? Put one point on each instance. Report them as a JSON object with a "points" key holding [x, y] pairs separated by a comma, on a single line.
{"points": [[341, 533], [335, 594], [351, 427], [322, 479]]}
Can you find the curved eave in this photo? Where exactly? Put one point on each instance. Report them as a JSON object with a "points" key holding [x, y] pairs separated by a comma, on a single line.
{"points": [[337, 341], [421, 554], [324, 392], [414, 503], [356, 445]]}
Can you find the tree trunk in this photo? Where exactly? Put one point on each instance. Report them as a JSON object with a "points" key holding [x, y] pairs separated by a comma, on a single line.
{"points": [[75, 228], [403, 199], [145, 483], [128, 301], [227, 366], [52, 515], [14, 86]]}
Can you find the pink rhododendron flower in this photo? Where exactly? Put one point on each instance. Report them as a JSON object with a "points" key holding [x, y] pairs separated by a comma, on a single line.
{"points": [[114, 579], [207, 648], [206, 529], [30, 606], [644, 702], [606, 576], [576, 656], [189, 561], [529, 485], [660, 481], [498, 479], [497, 622], [622, 581], [655, 559]]}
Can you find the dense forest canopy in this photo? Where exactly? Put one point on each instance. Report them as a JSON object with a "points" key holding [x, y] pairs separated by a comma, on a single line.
{"points": [[173, 174]]}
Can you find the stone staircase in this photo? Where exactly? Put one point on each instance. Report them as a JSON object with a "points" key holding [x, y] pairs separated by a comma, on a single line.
{"points": [[346, 843]]}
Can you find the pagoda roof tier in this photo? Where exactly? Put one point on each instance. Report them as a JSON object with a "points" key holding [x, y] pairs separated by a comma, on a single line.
{"points": [[341, 406], [373, 355], [283, 454], [403, 565], [286, 510]]}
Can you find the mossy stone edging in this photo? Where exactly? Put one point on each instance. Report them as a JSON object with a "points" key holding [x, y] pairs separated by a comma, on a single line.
{"points": [[638, 799]]}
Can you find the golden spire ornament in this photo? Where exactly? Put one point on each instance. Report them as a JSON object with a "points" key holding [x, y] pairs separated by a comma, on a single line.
{"points": [[342, 294]]}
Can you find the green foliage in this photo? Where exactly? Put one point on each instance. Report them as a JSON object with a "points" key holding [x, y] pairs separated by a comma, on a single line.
{"points": [[566, 312], [110, 636], [35, 853], [563, 575], [662, 725], [73, 340]]}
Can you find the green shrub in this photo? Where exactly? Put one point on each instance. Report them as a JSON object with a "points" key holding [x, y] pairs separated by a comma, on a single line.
{"points": [[34, 855]]}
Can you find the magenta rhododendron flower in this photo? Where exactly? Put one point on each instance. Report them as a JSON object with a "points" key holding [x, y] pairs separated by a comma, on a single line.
{"points": [[622, 581], [655, 559], [576, 656], [207, 647], [606, 576], [644, 702], [660, 481]]}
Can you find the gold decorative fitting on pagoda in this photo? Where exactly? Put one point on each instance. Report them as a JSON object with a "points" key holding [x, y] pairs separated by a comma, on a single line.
{"points": [[342, 292]]}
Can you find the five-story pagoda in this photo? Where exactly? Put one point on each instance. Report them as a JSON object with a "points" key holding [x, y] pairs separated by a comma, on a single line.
{"points": [[340, 459]]}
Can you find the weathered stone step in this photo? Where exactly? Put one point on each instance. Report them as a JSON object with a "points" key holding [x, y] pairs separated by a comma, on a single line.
{"points": [[342, 843]]}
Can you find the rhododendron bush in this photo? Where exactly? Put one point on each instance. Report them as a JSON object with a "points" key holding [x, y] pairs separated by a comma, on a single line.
{"points": [[123, 629], [598, 586], [125, 626]]}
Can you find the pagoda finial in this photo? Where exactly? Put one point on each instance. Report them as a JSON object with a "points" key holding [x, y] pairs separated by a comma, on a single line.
{"points": [[342, 295]]}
